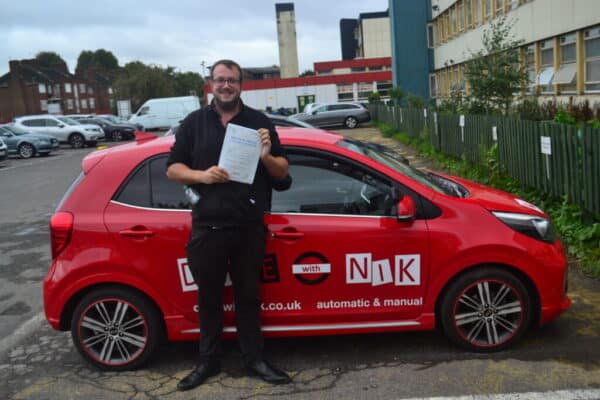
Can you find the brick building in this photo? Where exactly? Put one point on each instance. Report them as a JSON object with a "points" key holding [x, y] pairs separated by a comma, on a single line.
{"points": [[29, 88]]}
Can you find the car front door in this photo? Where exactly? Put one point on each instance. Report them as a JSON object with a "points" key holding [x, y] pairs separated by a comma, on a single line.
{"points": [[10, 139], [56, 128], [342, 257], [319, 116]]}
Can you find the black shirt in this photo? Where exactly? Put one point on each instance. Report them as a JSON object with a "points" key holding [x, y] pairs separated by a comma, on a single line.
{"points": [[198, 145]]}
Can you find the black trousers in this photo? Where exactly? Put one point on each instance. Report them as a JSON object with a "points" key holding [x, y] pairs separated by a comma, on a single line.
{"points": [[212, 252]]}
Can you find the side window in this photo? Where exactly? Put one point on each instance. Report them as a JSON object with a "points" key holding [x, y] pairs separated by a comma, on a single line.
{"points": [[320, 110], [33, 122], [326, 186], [144, 110], [165, 192], [136, 189], [50, 122]]}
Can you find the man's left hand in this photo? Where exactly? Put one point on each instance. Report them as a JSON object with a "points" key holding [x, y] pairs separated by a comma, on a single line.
{"points": [[265, 139]]}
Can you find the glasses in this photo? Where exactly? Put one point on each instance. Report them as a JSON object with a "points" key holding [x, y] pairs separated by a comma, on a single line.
{"points": [[229, 81]]}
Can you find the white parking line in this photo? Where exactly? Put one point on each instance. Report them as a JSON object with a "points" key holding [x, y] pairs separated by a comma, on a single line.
{"points": [[576, 394]]}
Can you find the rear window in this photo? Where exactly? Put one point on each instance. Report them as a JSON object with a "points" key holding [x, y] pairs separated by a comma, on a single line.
{"points": [[148, 186]]}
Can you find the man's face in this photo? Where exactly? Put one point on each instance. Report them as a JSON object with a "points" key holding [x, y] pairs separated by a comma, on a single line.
{"points": [[225, 87]]}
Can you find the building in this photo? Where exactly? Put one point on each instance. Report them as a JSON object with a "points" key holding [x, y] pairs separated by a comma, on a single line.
{"points": [[286, 37], [351, 80], [366, 37], [29, 88], [561, 43], [258, 73]]}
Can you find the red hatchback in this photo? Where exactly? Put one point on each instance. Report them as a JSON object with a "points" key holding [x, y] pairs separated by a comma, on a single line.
{"points": [[361, 242]]}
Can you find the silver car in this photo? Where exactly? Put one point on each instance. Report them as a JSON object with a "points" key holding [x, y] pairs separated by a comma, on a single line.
{"points": [[349, 115], [62, 128]]}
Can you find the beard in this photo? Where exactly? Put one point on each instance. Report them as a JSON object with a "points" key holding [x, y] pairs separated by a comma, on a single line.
{"points": [[227, 105]]}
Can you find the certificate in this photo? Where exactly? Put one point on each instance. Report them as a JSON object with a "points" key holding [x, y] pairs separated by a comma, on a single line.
{"points": [[240, 153]]}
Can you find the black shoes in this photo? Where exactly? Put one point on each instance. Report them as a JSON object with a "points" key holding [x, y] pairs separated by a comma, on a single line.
{"points": [[197, 377], [268, 373]]}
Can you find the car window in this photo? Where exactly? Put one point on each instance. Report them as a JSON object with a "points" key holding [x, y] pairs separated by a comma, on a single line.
{"points": [[33, 122], [68, 121], [50, 122], [165, 192], [320, 109], [148, 186], [136, 189], [323, 185], [4, 132], [16, 130], [144, 110]]}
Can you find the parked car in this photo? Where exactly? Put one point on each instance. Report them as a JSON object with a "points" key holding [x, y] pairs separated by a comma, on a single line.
{"points": [[360, 243], [310, 107], [349, 115], [114, 132], [64, 129], [3, 150], [121, 121], [19, 141], [279, 120]]}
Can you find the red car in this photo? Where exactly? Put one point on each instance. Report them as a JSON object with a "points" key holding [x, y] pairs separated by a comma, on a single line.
{"points": [[361, 242]]}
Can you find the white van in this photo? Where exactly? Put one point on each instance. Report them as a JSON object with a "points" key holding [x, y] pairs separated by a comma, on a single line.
{"points": [[164, 112]]}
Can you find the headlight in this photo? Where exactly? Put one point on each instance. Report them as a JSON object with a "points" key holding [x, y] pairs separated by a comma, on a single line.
{"points": [[533, 226], [91, 129]]}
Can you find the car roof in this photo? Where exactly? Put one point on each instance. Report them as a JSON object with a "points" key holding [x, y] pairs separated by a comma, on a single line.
{"points": [[146, 146]]}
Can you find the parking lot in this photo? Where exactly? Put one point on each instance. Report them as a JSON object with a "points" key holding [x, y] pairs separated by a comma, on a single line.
{"points": [[562, 358]]}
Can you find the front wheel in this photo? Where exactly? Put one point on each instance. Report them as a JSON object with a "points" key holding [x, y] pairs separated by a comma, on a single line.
{"points": [[351, 122], [486, 310], [116, 136], [26, 150], [76, 140], [115, 329]]}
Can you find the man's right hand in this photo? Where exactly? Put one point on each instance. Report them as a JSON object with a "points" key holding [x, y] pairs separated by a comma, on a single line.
{"points": [[214, 175]]}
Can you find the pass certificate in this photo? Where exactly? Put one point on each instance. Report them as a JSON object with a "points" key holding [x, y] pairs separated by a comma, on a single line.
{"points": [[240, 153]]}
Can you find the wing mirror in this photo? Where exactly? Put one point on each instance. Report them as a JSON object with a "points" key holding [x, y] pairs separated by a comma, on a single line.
{"points": [[406, 209]]}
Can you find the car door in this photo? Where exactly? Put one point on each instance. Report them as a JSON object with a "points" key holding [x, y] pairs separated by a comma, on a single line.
{"points": [[341, 254], [9, 139], [55, 128], [150, 220], [319, 116]]}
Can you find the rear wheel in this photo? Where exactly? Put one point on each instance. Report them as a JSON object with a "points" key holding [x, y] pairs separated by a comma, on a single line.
{"points": [[350, 122], [76, 140], [486, 310], [26, 150], [115, 329]]}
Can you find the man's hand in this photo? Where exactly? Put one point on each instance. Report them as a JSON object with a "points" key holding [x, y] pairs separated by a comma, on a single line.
{"points": [[265, 139], [214, 175]]}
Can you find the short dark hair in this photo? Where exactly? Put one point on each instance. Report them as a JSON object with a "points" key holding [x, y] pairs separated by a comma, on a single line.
{"points": [[229, 64]]}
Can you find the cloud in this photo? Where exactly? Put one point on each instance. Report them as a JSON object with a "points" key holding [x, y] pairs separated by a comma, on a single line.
{"points": [[181, 33]]}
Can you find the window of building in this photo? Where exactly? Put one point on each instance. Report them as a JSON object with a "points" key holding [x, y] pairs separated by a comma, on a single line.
{"points": [[544, 78], [476, 13], [487, 9], [42, 88], [56, 90], [376, 68], [499, 7], [69, 104], [90, 90], [110, 91], [325, 72], [44, 105], [461, 16], [92, 102], [530, 66], [513, 4], [68, 88], [430, 36], [433, 92], [469, 13], [566, 76], [592, 59], [358, 69], [453, 22], [84, 103], [82, 88]]}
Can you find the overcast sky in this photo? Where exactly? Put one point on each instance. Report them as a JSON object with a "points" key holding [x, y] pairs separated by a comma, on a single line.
{"points": [[178, 33]]}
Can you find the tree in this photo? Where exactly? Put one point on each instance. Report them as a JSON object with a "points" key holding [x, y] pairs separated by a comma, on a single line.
{"points": [[308, 72], [50, 59], [96, 59], [495, 73], [188, 82], [397, 95]]}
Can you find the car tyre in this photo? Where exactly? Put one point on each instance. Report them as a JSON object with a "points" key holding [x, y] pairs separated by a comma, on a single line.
{"points": [[351, 122], [92, 143], [116, 329], [116, 136], [76, 140], [26, 150], [485, 310]]}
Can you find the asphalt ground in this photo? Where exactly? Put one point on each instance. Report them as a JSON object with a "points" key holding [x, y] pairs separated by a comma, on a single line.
{"points": [[558, 361]]}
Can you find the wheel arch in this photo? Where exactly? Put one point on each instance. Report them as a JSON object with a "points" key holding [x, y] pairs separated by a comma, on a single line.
{"points": [[524, 278], [69, 307]]}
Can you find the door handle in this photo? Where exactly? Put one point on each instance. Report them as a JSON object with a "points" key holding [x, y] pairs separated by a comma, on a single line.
{"points": [[136, 233], [288, 235]]}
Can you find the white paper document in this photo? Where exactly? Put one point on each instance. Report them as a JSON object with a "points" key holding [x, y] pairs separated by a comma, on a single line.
{"points": [[240, 153]]}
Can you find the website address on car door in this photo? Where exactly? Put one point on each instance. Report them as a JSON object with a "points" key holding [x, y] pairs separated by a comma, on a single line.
{"points": [[278, 306]]}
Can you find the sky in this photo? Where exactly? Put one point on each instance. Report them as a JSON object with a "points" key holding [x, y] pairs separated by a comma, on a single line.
{"points": [[177, 33]]}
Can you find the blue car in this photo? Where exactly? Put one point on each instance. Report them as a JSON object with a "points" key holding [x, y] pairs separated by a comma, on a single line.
{"points": [[3, 150], [26, 144]]}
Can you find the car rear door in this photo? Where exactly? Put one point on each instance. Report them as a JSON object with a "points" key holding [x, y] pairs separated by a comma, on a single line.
{"points": [[341, 255], [149, 218]]}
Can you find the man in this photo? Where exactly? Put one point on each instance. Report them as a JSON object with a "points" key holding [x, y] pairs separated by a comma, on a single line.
{"points": [[228, 234]]}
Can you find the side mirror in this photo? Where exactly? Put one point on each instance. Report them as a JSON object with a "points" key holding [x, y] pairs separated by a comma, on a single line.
{"points": [[406, 209], [61, 126], [314, 112]]}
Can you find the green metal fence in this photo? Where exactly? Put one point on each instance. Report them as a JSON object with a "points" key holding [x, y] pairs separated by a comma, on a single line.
{"points": [[557, 159]]}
